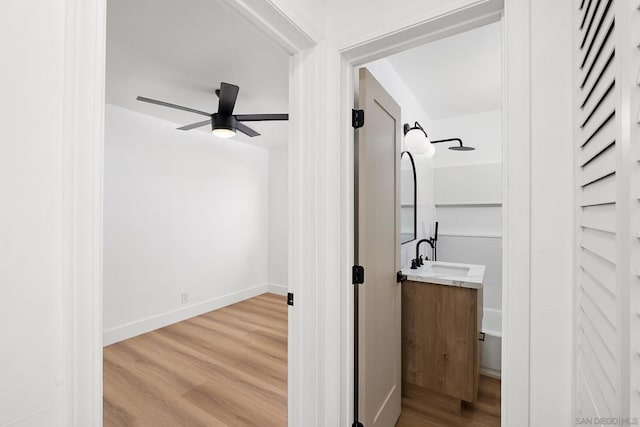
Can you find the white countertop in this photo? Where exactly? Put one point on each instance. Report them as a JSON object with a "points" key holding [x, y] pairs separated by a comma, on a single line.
{"points": [[448, 273]]}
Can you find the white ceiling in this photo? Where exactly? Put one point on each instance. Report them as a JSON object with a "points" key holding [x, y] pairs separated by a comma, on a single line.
{"points": [[457, 75], [180, 51]]}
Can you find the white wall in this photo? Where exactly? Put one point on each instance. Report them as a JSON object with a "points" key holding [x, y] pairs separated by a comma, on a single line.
{"points": [[349, 21], [468, 195], [278, 241], [552, 214], [468, 203], [310, 15], [31, 222], [183, 211], [482, 130], [384, 72]]}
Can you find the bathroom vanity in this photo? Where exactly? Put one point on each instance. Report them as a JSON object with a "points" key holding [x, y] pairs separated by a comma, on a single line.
{"points": [[441, 323]]}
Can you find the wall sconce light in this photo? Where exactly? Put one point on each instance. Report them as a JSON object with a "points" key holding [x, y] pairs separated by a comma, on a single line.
{"points": [[417, 141]]}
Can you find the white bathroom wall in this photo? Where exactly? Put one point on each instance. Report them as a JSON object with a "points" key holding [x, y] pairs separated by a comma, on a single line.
{"points": [[278, 243], [468, 195], [183, 212], [468, 202], [384, 72], [482, 130]]}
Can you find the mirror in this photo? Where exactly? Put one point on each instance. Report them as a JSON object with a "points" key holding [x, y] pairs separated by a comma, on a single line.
{"points": [[408, 198]]}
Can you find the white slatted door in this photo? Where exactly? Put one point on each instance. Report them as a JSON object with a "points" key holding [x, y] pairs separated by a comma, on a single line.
{"points": [[607, 210], [597, 379], [634, 136]]}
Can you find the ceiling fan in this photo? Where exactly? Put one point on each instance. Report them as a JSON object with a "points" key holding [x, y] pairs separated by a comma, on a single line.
{"points": [[224, 123]]}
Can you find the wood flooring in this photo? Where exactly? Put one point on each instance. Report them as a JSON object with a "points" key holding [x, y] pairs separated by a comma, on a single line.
{"points": [[223, 368], [484, 413], [229, 368]]}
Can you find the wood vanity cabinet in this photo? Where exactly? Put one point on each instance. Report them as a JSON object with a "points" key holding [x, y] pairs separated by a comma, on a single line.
{"points": [[441, 345]]}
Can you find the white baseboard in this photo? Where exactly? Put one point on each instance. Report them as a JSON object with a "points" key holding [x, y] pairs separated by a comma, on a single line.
{"points": [[152, 323], [277, 289], [491, 373]]}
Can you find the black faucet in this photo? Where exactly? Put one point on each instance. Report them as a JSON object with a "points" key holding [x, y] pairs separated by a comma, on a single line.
{"points": [[419, 260], [432, 241]]}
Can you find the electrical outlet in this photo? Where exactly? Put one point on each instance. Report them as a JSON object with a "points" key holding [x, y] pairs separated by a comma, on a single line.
{"points": [[185, 297]]}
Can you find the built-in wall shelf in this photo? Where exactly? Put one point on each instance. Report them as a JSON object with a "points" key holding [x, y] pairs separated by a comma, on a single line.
{"points": [[469, 204], [472, 235]]}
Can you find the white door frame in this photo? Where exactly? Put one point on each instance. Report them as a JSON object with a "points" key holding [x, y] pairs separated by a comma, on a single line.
{"points": [[516, 173], [84, 101], [320, 201]]}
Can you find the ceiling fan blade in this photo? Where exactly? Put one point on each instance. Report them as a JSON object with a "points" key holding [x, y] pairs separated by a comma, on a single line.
{"points": [[260, 117], [195, 125], [167, 104], [246, 130], [228, 95]]}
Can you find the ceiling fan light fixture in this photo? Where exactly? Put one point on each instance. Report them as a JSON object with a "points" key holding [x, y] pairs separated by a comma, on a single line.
{"points": [[224, 133], [223, 126]]}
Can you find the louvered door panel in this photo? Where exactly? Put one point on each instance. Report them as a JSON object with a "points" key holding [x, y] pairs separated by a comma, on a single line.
{"points": [[600, 243], [634, 134], [597, 20], [600, 81], [599, 73], [600, 269], [597, 358], [603, 166], [596, 146], [600, 217], [600, 386], [599, 192], [600, 108], [584, 400], [595, 52], [602, 334], [606, 301], [601, 93]]}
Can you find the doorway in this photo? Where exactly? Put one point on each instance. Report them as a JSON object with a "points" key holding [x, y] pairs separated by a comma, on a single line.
{"points": [[460, 190], [195, 249], [451, 223]]}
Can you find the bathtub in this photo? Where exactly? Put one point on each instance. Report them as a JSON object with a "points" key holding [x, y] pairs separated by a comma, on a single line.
{"points": [[491, 362]]}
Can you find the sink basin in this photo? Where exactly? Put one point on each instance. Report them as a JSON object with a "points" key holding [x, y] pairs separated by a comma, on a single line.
{"points": [[448, 273], [447, 270]]}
